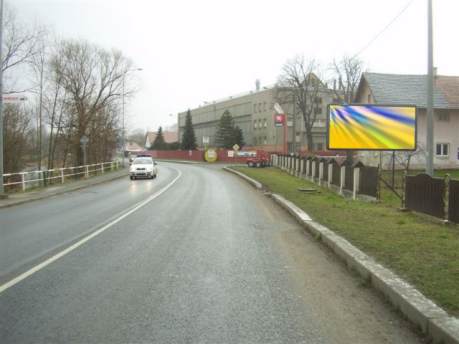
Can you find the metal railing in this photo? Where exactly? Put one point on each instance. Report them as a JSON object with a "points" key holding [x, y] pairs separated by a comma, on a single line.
{"points": [[24, 180]]}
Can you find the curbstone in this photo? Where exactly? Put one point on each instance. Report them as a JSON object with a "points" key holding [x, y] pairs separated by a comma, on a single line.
{"points": [[445, 330], [431, 319], [251, 181]]}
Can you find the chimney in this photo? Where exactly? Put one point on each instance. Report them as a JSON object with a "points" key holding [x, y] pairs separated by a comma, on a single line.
{"points": [[257, 85]]}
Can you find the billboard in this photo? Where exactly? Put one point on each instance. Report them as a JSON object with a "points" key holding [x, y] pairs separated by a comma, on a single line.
{"points": [[371, 127]]}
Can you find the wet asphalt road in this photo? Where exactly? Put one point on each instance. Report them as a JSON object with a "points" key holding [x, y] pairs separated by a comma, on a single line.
{"points": [[208, 261]]}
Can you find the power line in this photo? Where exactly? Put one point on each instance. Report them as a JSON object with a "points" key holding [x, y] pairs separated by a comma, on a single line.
{"points": [[385, 28]]}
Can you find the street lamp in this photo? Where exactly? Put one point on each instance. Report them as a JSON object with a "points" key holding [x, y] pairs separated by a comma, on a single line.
{"points": [[123, 143]]}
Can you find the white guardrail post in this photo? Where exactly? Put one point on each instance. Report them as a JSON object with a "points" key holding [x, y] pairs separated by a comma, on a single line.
{"points": [[23, 181], [330, 174], [102, 167], [86, 172], [342, 179], [62, 176], [356, 182]]}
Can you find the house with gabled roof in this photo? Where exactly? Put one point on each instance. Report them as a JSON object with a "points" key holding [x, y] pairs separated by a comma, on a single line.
{"points": [[401, 89]]}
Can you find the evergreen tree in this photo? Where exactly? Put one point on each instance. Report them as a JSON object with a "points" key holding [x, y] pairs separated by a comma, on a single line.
{"points": [[188, 138], [159, 142], [238, 137], [225, 131]]}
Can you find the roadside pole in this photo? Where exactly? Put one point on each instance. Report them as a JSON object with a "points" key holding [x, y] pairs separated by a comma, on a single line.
{"points": [[2, 190], [430, 124]]}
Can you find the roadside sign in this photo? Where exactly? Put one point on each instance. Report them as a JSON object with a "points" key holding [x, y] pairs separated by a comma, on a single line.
{"points": [[236, 147], [211, 155], [84, 140], [230, 154], [10, 99], [205, 140], [279, 120]]}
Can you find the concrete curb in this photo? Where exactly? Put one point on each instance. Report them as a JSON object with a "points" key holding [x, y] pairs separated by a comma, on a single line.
{"points": [[432, 320], [64, 190], [253, 182]]}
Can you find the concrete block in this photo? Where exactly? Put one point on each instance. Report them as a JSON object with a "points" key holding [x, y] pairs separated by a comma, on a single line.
{"points": [[444, 330]]}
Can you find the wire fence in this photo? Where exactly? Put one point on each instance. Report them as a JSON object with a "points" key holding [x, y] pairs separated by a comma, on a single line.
{"points": [[22, 181]]}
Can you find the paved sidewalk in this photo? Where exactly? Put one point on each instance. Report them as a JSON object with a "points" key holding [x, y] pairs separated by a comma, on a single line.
{"points": [[23, 197]]}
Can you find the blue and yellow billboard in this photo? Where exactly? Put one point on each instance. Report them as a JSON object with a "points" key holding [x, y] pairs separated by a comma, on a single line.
{"points": [[371, 127]]}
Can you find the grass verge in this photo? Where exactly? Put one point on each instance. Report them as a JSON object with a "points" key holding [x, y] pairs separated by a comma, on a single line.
{"points": [[423, 252]]}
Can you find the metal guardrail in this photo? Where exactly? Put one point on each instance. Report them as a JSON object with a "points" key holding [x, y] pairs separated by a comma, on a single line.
{"points": [[59, 175]]}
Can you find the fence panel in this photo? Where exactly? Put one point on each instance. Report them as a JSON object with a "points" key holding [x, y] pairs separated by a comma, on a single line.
{"points": [[368, 184], [336, 174], [310, 166], [453, 201], [316, 172], [349, 178], [325, 170], [425, 194]]}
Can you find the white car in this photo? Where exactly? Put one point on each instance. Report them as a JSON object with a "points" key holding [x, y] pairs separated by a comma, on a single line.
{"points": [[143, 167]]}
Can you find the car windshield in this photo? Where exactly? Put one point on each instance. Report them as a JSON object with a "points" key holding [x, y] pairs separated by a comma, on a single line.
{"points": [[142, 161]]}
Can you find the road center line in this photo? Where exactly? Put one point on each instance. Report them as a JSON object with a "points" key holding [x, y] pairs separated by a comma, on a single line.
{"points": [[69, 249]]}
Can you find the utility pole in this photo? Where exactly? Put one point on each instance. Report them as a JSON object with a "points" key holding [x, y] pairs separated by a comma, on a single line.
{"points": [[40, 114], [294, 126], [2, 191], [430, 81]]}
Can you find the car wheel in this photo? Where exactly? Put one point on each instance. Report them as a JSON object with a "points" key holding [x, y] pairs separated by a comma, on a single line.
{"points": [[131, 177]]}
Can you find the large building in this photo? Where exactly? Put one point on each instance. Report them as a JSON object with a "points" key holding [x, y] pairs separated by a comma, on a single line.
{"points": [[253, 112]]}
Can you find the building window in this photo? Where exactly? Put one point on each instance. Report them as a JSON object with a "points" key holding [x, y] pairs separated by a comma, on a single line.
{"points": [[265, 141], [254, 108], [442, 149], [255, 124], [259, 107], [443, 117], [264, 106], [265, 124], [319, 146]]}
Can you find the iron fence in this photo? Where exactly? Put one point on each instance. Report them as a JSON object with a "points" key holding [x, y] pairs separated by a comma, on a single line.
{"points": [[453, 201], [368, 181]]}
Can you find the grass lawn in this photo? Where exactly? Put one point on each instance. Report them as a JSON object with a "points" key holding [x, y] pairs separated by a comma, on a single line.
{"points": [[423, 252]]}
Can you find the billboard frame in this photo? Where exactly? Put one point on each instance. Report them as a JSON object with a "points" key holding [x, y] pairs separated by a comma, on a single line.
{"points": [[373, 149]]}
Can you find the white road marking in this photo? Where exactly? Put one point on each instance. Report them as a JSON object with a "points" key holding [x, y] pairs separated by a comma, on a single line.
{"points": [[69, 249]]}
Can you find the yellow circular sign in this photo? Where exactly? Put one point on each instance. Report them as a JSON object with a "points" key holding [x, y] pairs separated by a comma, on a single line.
{"points": [[210, 155]]}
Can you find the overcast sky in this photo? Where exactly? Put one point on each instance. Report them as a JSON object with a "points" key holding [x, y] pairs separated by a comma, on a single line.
{"points": [[201, 50]]}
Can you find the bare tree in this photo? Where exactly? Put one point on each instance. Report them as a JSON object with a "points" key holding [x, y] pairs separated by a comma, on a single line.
{"points": [[348, 71], [300, 84], [92, 78], [19, 43], [17, 133]]}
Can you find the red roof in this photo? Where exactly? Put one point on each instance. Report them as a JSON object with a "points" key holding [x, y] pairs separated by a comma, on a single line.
{"points": [[169, 136]]}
